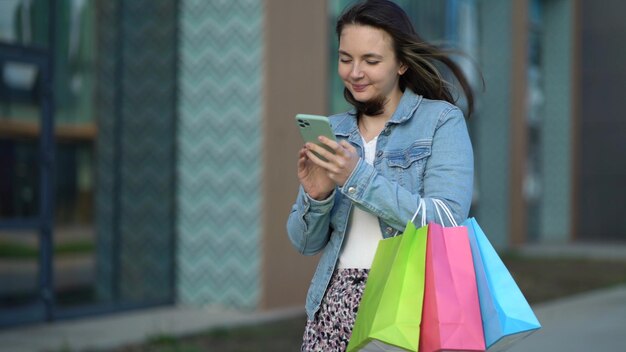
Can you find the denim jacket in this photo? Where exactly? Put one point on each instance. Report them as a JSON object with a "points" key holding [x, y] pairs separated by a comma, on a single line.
{"points": [[424, 152]]}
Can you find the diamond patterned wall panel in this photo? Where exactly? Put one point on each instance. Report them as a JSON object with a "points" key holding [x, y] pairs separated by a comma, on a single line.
{"points": [[148, 164], [105, 152], [219, 152], [491, 145], [136, 163], [556, 157]]}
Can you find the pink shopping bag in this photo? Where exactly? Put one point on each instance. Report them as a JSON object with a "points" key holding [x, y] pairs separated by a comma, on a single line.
{"points": [[451, 319]]}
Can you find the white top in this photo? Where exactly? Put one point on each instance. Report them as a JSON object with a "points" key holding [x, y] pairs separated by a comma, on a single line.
{"points": [[359, 246]]}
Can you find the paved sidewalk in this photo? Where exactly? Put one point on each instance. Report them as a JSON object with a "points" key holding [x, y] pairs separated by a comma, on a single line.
{"points": [[594, 321], [120, 329]]}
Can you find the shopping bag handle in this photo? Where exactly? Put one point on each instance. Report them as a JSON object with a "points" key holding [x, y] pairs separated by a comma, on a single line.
{"points": [[421, 206], [439, 203]]}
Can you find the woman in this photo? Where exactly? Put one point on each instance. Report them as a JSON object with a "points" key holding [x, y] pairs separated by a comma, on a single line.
{"points": [[404, 141]]}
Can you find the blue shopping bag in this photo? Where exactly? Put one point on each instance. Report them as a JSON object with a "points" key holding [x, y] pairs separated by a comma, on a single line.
{"points": [[507, 316]]}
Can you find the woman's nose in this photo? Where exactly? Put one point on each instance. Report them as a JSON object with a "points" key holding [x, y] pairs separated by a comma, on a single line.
{"points": [[356, 71]]}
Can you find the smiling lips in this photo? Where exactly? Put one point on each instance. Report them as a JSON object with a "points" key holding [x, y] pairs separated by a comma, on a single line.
{"points": [[359, 87]]}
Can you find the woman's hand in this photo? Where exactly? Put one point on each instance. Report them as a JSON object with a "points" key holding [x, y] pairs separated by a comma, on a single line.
{"points": [[339, 165], [313, 178]]}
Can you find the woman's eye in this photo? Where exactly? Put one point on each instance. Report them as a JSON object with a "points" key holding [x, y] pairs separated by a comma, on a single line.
{"points": [[345, 61], [372, 62]]}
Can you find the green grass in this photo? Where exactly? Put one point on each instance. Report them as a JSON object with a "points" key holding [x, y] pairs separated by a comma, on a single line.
{"points": [[78, 247], [168, 343], [17, 251], [285, 335], [10, 250]]}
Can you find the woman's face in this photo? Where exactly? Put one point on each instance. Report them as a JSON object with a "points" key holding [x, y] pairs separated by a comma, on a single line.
{"points": [[368, 64]]}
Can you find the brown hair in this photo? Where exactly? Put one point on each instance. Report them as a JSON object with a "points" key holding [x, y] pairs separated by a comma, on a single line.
{"points": [[420, 57]]}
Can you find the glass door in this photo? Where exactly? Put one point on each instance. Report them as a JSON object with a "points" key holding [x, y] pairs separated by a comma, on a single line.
{"points": [[26, 156]]}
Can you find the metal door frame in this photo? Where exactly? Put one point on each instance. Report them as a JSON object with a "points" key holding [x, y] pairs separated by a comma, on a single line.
{"points": [[41, 309]]}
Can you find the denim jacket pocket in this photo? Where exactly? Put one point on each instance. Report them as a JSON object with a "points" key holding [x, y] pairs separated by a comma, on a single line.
{"points": [[411, 159]]}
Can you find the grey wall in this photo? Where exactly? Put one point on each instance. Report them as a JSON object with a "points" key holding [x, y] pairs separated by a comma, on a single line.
{"points": [[602, 133]]}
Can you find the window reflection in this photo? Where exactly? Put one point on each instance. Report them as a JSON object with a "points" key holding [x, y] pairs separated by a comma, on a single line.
{"points": [[25, 23]]}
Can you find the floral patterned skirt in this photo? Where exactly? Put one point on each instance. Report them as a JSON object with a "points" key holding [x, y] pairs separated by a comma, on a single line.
{"points": [[332, 326]]}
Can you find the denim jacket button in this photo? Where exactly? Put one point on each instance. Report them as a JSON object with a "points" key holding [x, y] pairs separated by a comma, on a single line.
{"points": [[388, 230], [351, 190]]}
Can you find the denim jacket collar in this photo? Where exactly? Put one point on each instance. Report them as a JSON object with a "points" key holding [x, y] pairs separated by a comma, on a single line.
{"points": [[347, 126]]}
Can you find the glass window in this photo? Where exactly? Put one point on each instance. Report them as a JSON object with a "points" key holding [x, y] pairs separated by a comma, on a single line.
{"points": [[26, 23]]}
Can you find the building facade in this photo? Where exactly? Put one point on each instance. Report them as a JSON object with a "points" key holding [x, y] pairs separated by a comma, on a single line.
{"points": [[147, 148]]}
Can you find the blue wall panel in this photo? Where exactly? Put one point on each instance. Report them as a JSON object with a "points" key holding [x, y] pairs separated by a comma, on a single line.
{"points": [[219, 152]]}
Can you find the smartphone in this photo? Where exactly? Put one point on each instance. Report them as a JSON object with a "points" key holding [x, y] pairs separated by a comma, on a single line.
{"points": [[313, 126]]}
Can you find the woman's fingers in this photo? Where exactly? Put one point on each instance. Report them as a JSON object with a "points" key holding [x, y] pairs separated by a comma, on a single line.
{"points": [[349, 147], [339, 163], [314, 152], [337, 148]]}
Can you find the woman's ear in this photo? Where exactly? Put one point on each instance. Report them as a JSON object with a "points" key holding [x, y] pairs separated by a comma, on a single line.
{"points": [[402, 69]]}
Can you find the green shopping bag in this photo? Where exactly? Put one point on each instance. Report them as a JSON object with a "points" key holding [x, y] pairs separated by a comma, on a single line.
{"points": [[390, 311]]}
